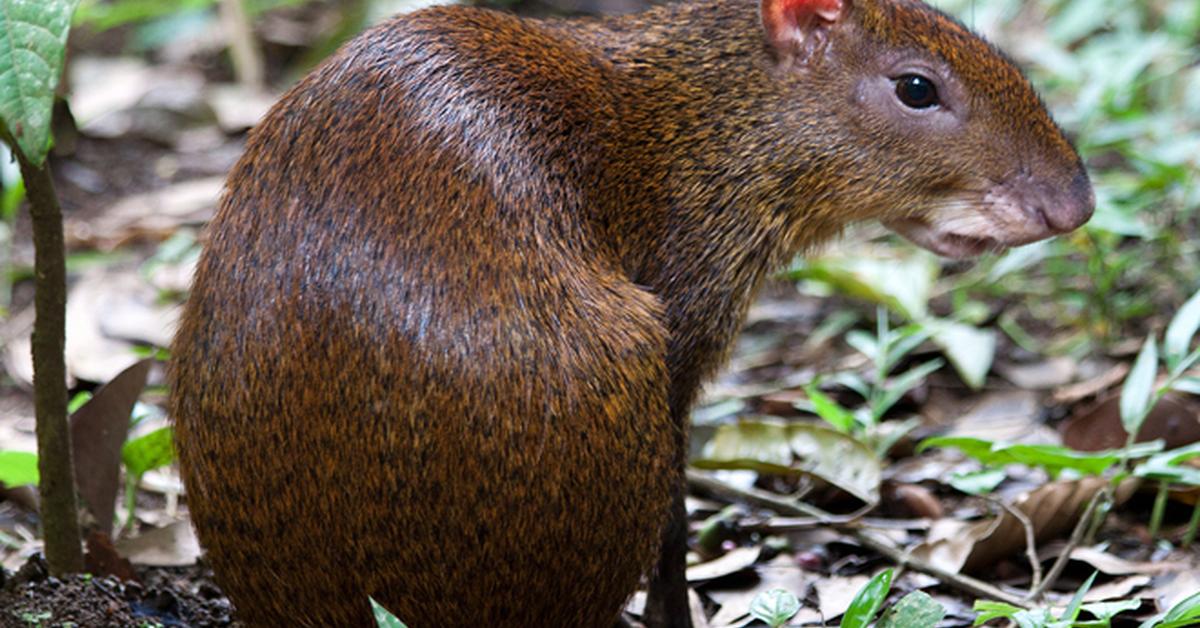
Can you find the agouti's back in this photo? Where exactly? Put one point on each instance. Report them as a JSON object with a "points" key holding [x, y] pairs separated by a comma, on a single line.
{"points": [[470, 273]]}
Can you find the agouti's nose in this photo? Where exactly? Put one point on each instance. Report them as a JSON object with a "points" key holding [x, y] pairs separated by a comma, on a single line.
{"points": [[1071, 207]]}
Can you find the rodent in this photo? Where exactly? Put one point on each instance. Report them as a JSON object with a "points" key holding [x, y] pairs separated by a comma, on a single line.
{"points": [[470, 273]]}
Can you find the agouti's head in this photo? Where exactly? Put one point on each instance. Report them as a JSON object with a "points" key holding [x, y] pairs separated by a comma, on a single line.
{"points": [[939, 136]]}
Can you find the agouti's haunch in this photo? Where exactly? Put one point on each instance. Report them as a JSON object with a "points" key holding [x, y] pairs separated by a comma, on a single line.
{"points": [[470, 273]]}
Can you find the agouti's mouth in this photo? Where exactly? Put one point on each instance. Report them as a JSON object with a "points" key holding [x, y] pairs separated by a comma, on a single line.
{"points": [[944, 243]]}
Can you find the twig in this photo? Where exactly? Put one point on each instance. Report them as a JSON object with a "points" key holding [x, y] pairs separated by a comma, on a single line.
{"points": [[1060, 563], [852, 525], [1030, 540]]}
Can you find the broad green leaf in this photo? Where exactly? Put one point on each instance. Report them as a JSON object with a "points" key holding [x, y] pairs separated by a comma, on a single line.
{"points": [[1105, 611], [18, 468], [383, 617], [1053, 458], [774, 607], [816, 450], [836, 458], [969, 349], [1169, 466], [979, 482], [915, 610], [760, 446], [1139, 388], [830, 410], [32, 47], [864, 343], [1179, 333], [903, 284], [151, 451], [866, 604]]}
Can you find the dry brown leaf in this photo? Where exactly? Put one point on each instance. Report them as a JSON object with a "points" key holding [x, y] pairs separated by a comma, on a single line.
{"points": [[1053, 510], [1011, 416], [835, 593], [1175, 420], [1119, 589], [172, 546], [780, 572], [1117, 566], [1043, 375], [98, 430], [102, 558], [1091, 387], [150, 216], [732, 562]]}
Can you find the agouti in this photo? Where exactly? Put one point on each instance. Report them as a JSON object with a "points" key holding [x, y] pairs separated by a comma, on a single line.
{"points": [[469, 275]]}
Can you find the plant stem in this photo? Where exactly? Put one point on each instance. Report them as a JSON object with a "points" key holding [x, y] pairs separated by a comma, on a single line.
{"points": [[60, 511], [1194, 523], [1160, 504]]}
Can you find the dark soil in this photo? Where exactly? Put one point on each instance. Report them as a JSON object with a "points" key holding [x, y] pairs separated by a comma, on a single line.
{"points": [[167, 597]]}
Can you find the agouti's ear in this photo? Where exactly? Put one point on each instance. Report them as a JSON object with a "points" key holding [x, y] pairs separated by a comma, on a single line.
{"points": [[793, 26]]}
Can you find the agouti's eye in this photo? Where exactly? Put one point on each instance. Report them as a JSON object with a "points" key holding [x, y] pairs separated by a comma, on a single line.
{"points": [[916, 91]]}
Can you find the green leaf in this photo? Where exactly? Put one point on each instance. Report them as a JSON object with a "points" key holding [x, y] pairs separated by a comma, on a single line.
{"points": [[1179, 333], [1105, 611], [904, 284], [901, 384], [864, 606], [988, 610], [78, 401], [904, 340], [970, 350], [915, 610], [1072, 611], [1139, 388], [1169, 466], [32, 48], [978, 482], [18, 468], [837, 416], [790, 448], [383, 617], [864, 343], [774, 607], [1053, 458], [151, 451], [1185, 611], [760, 446]]}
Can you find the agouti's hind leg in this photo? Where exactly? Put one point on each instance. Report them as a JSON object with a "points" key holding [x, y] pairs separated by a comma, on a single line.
{"points": [[667, 601]]}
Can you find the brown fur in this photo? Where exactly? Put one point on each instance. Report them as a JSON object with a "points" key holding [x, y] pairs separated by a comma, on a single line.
{"points": [[470, 274]]}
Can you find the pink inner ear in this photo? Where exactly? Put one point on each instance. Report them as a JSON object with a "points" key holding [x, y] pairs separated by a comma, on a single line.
{"points": [[791, 21], [828, 10]]}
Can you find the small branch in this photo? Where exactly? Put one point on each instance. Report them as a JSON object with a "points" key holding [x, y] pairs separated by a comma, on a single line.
{"points": [[60, 511], [852, 525], [1030, 540], [1060, 563]]}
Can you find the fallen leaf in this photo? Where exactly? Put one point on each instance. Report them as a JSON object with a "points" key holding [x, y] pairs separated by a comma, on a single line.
{"points": [[98, 429], [834, 594], [731, 562], [172, 546]]}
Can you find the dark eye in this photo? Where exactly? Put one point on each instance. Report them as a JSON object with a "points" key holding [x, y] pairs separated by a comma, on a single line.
{"points": [[916, 91]]}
